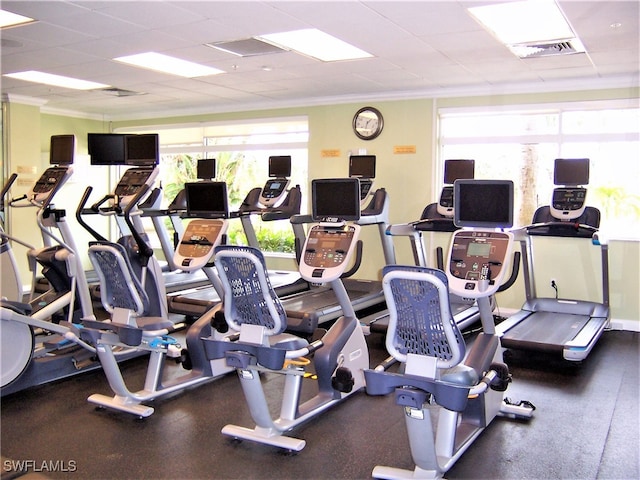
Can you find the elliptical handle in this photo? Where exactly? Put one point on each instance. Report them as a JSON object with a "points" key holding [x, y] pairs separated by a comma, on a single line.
{"points": [[80, 209], [145, 251], [7, 186]]}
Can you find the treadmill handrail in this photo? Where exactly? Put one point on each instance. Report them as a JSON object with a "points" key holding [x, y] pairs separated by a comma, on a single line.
{"points": [[561, 229]]}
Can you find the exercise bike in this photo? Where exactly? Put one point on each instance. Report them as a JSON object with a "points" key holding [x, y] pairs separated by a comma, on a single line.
{"points": [[253, 309], [464, 389], [123, 295]]}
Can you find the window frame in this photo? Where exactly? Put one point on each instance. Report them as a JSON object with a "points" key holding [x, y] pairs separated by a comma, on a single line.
{"points": [[559, 138]]}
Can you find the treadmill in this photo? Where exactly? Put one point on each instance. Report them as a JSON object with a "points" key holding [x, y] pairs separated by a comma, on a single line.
{"points": [[566, 327], [437, 217], [309, 309], [175, 277], [272, 202]]}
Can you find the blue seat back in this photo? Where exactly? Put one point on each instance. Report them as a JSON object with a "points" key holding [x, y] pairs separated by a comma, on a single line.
{"points": [[420, 320], [119, 287], [249, 297]]}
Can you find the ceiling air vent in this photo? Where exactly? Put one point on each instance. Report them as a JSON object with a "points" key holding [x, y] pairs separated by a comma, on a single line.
{"points": [[248, 47], [547, 49], [120, 92]]}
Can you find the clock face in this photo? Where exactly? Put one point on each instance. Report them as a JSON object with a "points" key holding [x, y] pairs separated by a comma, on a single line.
{"points": [[367, 123]]}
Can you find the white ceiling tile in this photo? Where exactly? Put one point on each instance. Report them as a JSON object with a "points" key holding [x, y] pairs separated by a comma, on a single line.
{"points": [[417, 45]]}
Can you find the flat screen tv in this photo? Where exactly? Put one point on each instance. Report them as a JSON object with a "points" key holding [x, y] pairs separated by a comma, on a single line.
{"points": [[571, 171], [106, 148], [207, 199], [458, 169], [142, 150], [362, 166], [483, 203], [280, 166], [63, 149], [335, 198], [206, 169]]}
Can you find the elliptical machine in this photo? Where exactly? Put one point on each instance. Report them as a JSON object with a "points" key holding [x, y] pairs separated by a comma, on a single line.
{"points": [[40, 339], [466, 389], [253, 309]]}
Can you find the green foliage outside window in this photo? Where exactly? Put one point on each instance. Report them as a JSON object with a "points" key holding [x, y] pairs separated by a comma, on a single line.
{"points": [[240, 175]]}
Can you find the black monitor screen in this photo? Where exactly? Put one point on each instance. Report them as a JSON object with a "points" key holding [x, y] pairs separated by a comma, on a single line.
{"points": [[206, 168], [62, 151], [571, 171], [142, 150], [336, 198], [207, 199], [280, 166], [458, 170], [483, 203], [363, 166], [106, 148]]}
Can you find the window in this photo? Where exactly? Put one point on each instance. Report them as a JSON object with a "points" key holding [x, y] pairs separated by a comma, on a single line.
{"points": [[521, 144], [241, 150]]}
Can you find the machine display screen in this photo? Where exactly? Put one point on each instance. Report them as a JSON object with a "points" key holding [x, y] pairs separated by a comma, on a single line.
{"points": [[207, 199], [476, 249], [142, 150], [337, 198], [106, 148], [571, 171], [280, 166], [206, 169], [458, 170], [483, 203], [62, 150], [362, 166]]}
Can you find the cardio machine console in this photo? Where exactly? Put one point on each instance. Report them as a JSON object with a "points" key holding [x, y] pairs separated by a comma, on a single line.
{"points": [[195, 249], [131, 182], [477, 261], [327, 251], [445, 203], [273, 192], [50, 179], [568, 203]]}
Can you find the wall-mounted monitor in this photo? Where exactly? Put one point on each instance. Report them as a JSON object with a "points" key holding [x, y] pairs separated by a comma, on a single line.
{"points": [[458, 169], [335, 198], [106, 148], [483, 203], [62, 150], [142, 150], [280, 166], [206, 169], [362, 166], [207, 199], [571, 171]]}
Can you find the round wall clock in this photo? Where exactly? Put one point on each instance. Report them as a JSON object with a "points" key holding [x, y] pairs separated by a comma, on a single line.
{"points": [[368, 123]]}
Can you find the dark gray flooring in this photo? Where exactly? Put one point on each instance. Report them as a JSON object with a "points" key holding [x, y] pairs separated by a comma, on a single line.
{"points": [[586, 426]]}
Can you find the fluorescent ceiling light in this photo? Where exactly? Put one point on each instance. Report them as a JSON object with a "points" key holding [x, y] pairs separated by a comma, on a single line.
{"points": [[524, 22], [9, 19], [55, 80], [166, 64], [316, 44]]}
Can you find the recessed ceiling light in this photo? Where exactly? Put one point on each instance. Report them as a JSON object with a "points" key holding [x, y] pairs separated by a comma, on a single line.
{"points": [[55, 80], [9, 19], [524, 21], [315, 43], [166, 64]]}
